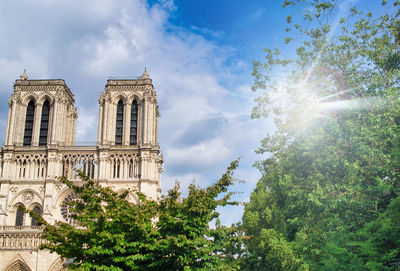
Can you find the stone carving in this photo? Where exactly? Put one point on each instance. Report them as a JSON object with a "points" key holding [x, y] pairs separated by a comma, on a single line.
{"points": [[26, 163], [31, 240], [31, 168], [24, 76], [83, 162], [27, 197]]}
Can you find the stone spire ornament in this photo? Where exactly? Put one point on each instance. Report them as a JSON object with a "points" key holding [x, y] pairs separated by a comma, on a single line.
{"points": [[145, 75], [24, 76]]}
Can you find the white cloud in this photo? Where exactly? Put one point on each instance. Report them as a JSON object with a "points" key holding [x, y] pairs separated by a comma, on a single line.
{"points": [[257, 14], [86, 42], [204, 154], [86, 123]]}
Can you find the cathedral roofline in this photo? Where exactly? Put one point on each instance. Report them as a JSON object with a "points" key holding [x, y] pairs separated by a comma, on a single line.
{"points": [[43, 83], [129, 82], [141, 80]]}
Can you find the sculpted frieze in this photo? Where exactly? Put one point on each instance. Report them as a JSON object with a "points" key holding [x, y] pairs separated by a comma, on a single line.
{"points": [[125, 88], [27, 197], [27, 96], [16, 97], [14, 190]]}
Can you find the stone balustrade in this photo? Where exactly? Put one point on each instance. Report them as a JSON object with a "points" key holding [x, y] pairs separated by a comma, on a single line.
{"points": [[20, 237], [40, 164]]}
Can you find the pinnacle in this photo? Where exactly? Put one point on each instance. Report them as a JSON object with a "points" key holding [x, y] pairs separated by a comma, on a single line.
{"points": [[145, 75], [24, 76]]}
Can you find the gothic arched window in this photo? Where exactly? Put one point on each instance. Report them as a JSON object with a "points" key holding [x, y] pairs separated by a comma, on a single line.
{"points": [[30, 113], [19, 218], [134, 117], [119, 123], [38, 211], [44, 123]]}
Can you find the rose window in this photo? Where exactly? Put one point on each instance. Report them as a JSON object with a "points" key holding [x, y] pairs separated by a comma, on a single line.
{"points": [[65, 208]]}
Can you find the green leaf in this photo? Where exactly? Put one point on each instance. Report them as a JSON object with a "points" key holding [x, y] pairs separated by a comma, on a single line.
{"points": [[287, 40]]}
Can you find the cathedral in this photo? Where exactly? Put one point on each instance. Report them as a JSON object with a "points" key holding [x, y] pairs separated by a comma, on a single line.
{"points": [[39, 147]]}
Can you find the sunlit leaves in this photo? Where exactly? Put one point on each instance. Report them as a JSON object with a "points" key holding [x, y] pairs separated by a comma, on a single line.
{"points": [[332, 174], [171, 234]]}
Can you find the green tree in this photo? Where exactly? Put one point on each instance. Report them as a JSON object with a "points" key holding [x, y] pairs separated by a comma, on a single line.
{"points": [[332, 174], [174, 233]]}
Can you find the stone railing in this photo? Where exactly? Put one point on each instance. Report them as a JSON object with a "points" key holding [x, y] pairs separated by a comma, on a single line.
{"points": [[36, 164], [84, 158], [11, 229], [30, 166], [20, 237]]}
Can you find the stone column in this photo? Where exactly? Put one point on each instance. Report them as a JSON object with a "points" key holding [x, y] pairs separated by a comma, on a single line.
{"points": [[54, 120], [151, 120], [154, 129], [156, 126], [139, 136], [48, 192], [96, 167], [32, 169], [60, 124], [102, 169], [68, 126], [112, 123], [36, 125], [74, 118], [19, 123], [144, 166], [50, 125], [126, 168], [106, 113], [53, 164], [145, 120], [71, 131], [7, 158], [4, 193], [11, 115], [127, 124], [100, 126]]}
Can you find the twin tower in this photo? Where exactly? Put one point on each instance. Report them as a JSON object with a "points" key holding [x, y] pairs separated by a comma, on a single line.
{"points": [[40, 146]]}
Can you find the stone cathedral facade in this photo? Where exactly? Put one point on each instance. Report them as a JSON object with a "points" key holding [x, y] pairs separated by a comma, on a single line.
{"points": [[40, 146]]}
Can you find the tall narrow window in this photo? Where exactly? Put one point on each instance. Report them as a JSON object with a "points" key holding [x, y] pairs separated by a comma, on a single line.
{"points": [[119, 123], [134, 117], [44, 123], [19, 218], [38, 211], [30, 113]]}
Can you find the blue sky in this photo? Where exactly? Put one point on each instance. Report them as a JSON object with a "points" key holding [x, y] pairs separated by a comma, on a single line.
{"points": [[198, 54]]}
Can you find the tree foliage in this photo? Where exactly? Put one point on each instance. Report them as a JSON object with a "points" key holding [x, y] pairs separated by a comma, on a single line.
{"points": [[329, 195], [174, 233]]}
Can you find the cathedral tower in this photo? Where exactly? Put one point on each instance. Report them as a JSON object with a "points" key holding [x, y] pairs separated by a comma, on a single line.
{"points": [[41, 112], [40, 146]]}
